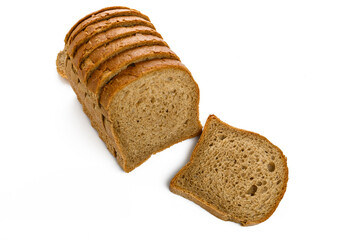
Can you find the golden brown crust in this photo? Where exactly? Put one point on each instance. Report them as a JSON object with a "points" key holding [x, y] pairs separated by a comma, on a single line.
{"points": [[103, 74], [88, 16], [118, 46], [209, 207], [108, 36], [102, 26], [104, 16]]}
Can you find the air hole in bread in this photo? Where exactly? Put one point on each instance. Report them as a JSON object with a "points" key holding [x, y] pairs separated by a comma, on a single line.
{"points": [[222, 137], [103, 120], [139, 101], [252, 190], [271, 166]]}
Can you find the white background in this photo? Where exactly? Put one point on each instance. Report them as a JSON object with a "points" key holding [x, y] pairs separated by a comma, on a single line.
{"points": [[289, 70]]}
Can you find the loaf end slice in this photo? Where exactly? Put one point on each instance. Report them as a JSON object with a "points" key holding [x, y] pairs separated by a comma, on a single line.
{"points": [[60, 64], [234, 174], [151, 106]]}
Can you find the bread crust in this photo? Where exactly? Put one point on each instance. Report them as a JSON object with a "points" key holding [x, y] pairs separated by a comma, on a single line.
{"points": [[103, 53], [104, 16], [209, 207], [88, 16], [104, 73], [108, 36], [102, 26]]}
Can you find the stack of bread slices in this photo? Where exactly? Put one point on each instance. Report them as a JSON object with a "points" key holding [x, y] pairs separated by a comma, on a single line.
{"points": [[135, 90]]}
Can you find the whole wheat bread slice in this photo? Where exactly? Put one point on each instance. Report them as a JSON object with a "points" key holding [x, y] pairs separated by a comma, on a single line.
{"points": [[151, 106], [234, 174]]}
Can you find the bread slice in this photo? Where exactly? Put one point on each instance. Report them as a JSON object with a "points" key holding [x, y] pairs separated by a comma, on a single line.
{"points": [[104, 16], [151, 105], [102, 26], [108, 69], [108, 36], [115, 47], [234, 174], [89, 16]]}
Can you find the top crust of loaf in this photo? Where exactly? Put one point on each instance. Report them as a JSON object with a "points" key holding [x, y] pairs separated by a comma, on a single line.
{"points": [[102, 26], [108, 36], [180, 190], [88, 16], [133, 73], [105, 52], [111, 67], [105, 16]]}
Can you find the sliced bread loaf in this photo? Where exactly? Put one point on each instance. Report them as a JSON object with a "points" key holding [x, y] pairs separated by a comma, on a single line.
{"points": [[151, 101], [234, 174]]}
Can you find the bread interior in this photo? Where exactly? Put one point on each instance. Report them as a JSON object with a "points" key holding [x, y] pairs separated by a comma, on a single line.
{"points": [[240, 173], [154, 112]]}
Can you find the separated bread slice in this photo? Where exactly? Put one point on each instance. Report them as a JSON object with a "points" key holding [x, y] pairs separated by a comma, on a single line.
{"points": [[89, 16], [108, 69], [150, 106], [108, 36], [104, 16], [234, 174], [103, 26], [101, 54]]}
